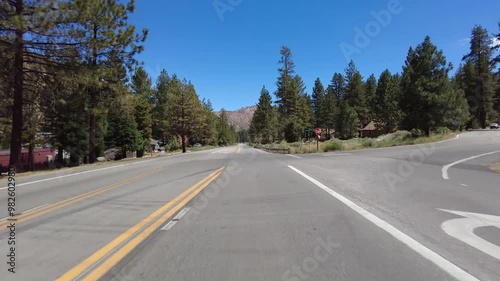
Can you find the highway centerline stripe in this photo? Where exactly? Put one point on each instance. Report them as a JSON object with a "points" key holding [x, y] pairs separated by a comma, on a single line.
{"points": [[105, 267], [57, 205], [80, 269], [425, 252], [445, 168], [294, 156]]}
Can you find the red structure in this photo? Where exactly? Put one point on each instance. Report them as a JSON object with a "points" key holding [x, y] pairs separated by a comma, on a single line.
{"points": [[41, 155]]}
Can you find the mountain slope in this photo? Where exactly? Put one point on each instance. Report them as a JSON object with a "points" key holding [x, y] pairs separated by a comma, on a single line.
{"points": [[241, 118]]}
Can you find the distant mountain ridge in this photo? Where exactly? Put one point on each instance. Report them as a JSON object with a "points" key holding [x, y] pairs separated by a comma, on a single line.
{"points": [[241, 118]]}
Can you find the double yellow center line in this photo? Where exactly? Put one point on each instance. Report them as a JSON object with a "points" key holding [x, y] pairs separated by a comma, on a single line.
{"points": [[58, 205], [102, 261]]}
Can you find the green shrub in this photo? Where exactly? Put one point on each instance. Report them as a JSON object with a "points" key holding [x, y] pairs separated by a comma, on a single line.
{"points": [[442, 131], [332, 145], [401, 136], [368, 143], [417, 133]]}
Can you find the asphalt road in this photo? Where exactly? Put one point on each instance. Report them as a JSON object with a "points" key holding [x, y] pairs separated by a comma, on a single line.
{"points": [[429, 212]]}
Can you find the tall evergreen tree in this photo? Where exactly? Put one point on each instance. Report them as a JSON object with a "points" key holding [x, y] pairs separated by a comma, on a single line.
{"points": [[102, 28], [370, 90], [386, 108], [264, 120], [331, 108], [226, 133], [318, 103], [496, 60], [208, 132], [184, 111], [347, 121], [160, 101], [425, 87], [338, 86], [35, 43], [288, 96], [142, 90], [122, 132], [479, 77], [355, 93]]}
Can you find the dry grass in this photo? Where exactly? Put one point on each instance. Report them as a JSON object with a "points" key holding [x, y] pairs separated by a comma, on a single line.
{"points": [[495, 167]]}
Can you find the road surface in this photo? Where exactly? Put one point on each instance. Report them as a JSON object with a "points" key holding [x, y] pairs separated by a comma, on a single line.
{"points": [[429, 212]]}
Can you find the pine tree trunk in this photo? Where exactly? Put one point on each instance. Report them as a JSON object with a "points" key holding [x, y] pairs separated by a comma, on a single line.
{"points": [[92, 128], [17, 108], [31, 153], [183, 140]]}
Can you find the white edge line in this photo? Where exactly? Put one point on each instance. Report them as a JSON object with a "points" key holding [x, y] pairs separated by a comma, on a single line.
{"points": [[75, 174], [24, 212], [32, 209], [169, 225], [101, 169], [449, 139], [445, 168], [427, 253], [294, 156]]}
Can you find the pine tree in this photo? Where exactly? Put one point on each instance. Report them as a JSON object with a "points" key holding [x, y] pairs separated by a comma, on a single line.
{"points": [[331, 109], [370, 90], [184, 111], [318, 103], [496, 60], [35, 44], [226, 133], [479, 81], [264, 120], [386, 108], [159, 101], [355, 93], [104, 34], [305, 113], [142, 90], [208, 133], [122, 132], [425, 88], [287, 97], [338, 86], [347, 121]]}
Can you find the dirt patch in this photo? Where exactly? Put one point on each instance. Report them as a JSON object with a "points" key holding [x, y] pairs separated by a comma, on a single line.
{"points": [[495, 167]]}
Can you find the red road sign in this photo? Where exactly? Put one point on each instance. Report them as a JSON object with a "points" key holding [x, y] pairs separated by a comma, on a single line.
{"points": [[318, 131]]}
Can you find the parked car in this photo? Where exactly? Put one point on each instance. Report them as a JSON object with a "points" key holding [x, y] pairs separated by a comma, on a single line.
{"points": [[494, 126], [197, 145]]}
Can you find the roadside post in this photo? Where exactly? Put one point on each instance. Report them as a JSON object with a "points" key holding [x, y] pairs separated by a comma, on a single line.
{"points": [[318, 136]]}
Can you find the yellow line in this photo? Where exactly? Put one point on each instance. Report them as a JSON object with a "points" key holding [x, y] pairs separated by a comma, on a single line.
{"points": [[101, 253], [55, 206], [239, 149]]}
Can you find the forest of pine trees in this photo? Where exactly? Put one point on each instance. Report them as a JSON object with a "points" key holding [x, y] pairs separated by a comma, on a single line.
{"points": [[422, 98], [70, 68]]}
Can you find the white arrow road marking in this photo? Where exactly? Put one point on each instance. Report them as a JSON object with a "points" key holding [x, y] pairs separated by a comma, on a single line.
{"points": [[463, 230], [445, 168]]}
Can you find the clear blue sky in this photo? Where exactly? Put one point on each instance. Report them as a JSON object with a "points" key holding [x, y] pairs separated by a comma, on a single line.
{"points": [[230, 55]]}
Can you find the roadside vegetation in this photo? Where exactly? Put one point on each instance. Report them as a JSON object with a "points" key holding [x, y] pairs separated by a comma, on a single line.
{"points": [[394, 139], [70, 70], [423, 103]]}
